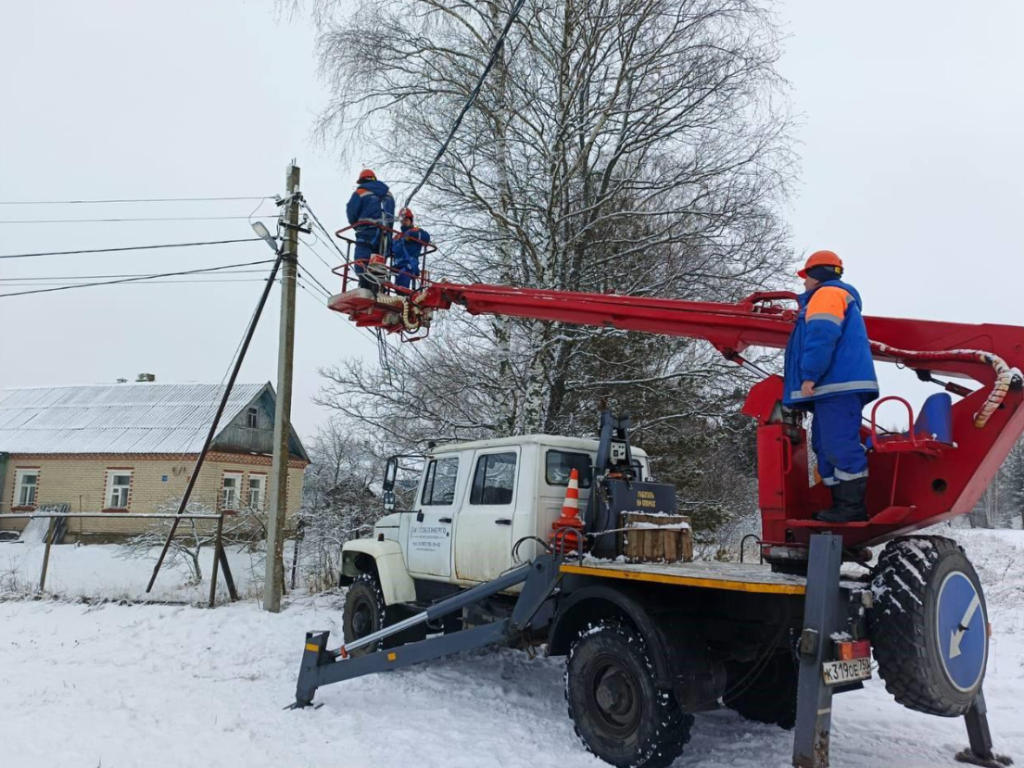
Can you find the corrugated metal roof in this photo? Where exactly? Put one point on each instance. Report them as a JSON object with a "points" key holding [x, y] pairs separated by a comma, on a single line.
{"points": [[115, 418]]}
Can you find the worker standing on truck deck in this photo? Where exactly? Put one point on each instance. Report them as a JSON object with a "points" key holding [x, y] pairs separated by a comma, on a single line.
{"points": [[407, 249], [829, 372], [370, 208]]}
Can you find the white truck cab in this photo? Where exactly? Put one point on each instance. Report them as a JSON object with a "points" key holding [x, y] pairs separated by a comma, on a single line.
{"points": [[473, 503]]}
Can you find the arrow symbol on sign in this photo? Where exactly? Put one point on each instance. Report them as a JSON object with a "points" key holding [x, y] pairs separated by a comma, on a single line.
{"points": [[958, 633]]}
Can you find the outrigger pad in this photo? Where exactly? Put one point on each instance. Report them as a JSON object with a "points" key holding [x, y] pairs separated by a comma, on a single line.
{"points": [[995, 761]]}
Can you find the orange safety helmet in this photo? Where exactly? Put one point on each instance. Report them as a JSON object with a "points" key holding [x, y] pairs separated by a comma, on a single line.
{"points": [[405, 213], [822, 259], [367, 175]]}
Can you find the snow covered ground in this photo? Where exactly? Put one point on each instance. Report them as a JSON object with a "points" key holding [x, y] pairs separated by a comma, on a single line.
{"points": [[157, 685]]}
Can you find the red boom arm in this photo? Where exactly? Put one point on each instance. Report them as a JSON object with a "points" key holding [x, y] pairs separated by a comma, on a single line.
{"points": [[914, 481]]}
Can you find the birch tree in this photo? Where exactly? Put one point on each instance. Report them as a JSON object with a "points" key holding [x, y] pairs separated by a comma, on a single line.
{"points": [[634, 146]]}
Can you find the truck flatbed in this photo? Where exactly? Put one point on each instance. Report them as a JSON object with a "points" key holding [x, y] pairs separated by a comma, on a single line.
{"points": [[734, 577]]}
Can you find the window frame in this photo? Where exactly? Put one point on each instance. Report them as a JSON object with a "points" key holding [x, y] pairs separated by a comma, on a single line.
{"points": [[19, 476], [262, 478], [109, 504], [586, 478], [485, 458], [252, 418], [238, 478], [430, 480]]}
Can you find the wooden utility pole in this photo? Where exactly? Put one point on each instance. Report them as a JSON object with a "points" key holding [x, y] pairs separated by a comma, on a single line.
{"points": [[274, 577]]}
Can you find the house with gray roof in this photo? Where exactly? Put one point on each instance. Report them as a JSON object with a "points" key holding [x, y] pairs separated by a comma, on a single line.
{"points": [[124, 449]]}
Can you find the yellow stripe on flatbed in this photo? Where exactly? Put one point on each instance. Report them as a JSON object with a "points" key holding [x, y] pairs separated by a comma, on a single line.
{"points": [[686, 581]]}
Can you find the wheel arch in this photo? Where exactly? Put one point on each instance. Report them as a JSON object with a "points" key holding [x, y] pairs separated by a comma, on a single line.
{"points": [[385, 560], [599, 601]]}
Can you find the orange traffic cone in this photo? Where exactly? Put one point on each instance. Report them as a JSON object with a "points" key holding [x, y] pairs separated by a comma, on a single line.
{"points": [[569, 522]]}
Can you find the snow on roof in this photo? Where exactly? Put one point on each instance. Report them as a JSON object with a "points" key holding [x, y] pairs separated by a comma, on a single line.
{"points": [[115, 418]]}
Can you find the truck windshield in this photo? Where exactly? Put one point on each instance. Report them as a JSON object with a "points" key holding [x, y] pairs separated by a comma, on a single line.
{"points": [[439, 485]]}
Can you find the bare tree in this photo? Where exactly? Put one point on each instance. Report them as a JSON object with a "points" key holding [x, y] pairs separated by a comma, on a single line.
{"points": [[634, 146], [340, 499]]}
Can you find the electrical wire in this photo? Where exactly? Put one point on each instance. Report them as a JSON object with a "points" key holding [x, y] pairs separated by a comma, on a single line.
{"points": [[130, 248], [121, 220], [469, 102], [132, 200], [108, 277], [160, 282], [138, 279], [307, 275]]}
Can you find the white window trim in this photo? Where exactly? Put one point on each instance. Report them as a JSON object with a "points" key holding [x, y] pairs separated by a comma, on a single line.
{"points": [[262, 492], [108, 501], [255, 414], [237, 502], [19, 476]]}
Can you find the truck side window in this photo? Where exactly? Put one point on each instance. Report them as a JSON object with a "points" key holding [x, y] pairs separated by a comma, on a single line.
{"points": [[439, 486], [494, 479], [558, 465]]}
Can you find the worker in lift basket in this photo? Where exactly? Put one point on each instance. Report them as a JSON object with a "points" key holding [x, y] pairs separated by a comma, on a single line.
{"points": [[829, 372], [407, 249], [370, 207]]}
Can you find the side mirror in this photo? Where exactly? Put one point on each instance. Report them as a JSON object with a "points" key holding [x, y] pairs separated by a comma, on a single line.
{"points": [[390, 473], [389, 501]]}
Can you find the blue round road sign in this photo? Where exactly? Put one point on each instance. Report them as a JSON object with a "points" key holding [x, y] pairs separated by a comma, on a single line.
{"points": [[962, 631]]}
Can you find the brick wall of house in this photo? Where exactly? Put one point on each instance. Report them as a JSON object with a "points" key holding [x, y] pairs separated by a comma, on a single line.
{"points": [[81, 482]]}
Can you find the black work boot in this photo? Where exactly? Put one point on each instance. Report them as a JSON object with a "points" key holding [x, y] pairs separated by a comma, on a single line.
{"points": [[847, 503]]}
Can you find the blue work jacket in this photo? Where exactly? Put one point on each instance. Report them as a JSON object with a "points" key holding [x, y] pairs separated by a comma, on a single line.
{"points": [[407, 250], [829, 346], [371, 202]]}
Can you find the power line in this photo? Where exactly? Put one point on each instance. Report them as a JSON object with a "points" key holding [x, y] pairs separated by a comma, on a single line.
{"points": [[305, 204], [138, 279], [106, 277], [161, 282], [132, 200], [121, 220], [469, 102], [130, 248], [306, 273]]}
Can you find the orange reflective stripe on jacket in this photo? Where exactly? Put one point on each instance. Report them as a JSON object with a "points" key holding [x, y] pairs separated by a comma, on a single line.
{"points": [[828, 303]]}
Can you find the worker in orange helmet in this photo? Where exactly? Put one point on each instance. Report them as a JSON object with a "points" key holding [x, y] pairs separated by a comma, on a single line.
{"points": [[407, 249], [371, 212], [830, 373]]}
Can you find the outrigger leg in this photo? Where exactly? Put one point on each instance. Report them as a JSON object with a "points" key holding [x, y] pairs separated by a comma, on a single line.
{"points": [[980, 752], [321, 666]]}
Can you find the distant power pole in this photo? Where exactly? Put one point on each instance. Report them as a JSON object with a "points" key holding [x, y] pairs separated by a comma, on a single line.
{"points": [[274, 577]]}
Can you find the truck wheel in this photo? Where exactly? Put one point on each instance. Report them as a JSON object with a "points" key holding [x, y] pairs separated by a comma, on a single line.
{"points": [[618, 712], [929, 625], [764, 691], [365, 612]]}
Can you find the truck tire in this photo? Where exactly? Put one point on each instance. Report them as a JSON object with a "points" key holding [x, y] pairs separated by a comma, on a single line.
{"points": [[929, 625], [365, 612], [764, 690], [616, 709]]}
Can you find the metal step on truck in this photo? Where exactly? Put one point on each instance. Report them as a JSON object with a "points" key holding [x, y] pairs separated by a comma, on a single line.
{"points": [[648, 644]]}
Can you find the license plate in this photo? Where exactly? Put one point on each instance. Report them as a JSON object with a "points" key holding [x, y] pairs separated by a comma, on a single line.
{"points": [[839, 672]]}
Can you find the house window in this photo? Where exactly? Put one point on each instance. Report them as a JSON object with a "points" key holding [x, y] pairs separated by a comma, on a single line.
{"points": [[119, 484], [252, 418], [230, 490], [257, 491], [26, 485]]}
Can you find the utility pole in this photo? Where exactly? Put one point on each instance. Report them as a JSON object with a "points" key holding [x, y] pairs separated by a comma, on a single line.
{"points": [[274, 577]]}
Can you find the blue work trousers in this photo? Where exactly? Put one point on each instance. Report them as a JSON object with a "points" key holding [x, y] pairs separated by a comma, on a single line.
{"points": [[835, 438]]}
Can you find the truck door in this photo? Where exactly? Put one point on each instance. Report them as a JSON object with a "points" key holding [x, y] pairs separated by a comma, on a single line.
{"points": [[430, 529], [483, 546]]}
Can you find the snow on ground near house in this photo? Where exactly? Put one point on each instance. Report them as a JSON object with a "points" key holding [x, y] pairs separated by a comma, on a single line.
{"points": [[156, 685], [100, 571]]}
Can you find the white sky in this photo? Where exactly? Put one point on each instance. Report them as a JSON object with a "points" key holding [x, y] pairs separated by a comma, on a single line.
{"points": [[911, 150]]}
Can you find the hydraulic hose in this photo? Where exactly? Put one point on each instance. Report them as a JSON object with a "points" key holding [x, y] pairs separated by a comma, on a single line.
{"points": [[1006, 377]]}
